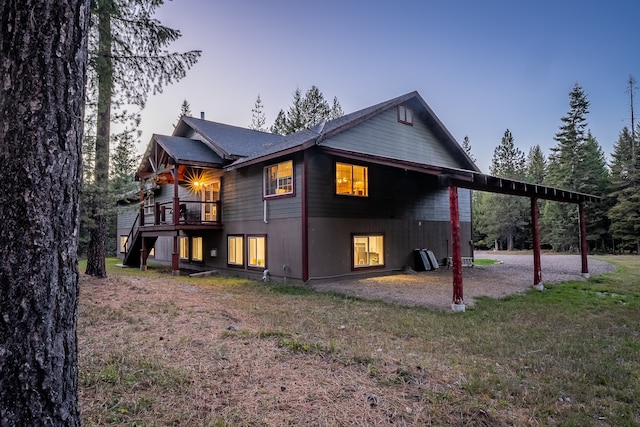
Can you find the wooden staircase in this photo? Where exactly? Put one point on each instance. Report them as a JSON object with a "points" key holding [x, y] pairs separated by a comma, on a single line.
{"points": [[134, 245]]}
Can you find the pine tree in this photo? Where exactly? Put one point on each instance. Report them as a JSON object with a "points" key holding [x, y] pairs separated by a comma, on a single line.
{"points": [[258, 119], [129, 60], [43, 53], [624, 197], [560, 220], [536, 165], [466, 146], [502, 217], [185, 110], [305, 111]]}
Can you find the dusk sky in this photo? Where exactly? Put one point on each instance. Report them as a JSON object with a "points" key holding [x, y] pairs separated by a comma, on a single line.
{"points": [[482, 66]]}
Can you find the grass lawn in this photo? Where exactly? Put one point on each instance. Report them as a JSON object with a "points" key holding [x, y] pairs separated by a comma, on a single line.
{"points": [[163, 350]]}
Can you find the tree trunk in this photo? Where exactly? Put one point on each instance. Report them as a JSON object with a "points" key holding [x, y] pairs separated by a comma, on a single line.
{"points": [[96, 253], [43, 56]]}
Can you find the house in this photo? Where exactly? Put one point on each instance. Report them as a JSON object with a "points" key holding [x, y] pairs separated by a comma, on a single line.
{"points": [[351, 196]]}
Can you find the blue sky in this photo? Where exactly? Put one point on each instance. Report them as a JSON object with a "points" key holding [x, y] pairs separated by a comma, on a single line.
{"points": [[482, 66]]}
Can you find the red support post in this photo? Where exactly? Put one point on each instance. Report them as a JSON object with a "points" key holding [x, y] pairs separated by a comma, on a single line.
{"points": [[456, 250], [175, 259], [143, 254], [537, 269], [584, 249], [176, 199]]}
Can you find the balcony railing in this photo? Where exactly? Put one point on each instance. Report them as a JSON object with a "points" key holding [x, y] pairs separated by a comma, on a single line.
{"points": [[189, 212]]}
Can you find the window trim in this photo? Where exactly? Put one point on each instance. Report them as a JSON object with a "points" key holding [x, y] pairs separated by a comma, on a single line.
{"points": [[242, 239], [352, 194], [278, 195], [365, 267], [249, 265], [405, 115]]}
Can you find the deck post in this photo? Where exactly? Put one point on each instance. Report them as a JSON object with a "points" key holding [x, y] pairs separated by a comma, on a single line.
{"points": [[537, 269], [176, 199], [584, 249], [456, 250], [143, 254], [175, 256]]}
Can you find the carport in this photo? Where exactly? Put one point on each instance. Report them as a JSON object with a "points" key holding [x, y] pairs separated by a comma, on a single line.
{"points": [[481, 182]]}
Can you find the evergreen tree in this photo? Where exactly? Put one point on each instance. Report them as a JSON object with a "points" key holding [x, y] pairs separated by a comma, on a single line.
{"points": [[305, 111], [185, 110], [536, 165], [624, 197], [565, 170], [466, 146], [336, 109], [501, 217], [595, 180], [258, 119], [128, 58]]}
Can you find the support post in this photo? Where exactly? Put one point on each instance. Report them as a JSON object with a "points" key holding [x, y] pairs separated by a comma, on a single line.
{"points": [[175, 256], [143, 254], [584, 249], [176, 199], [537, 268], [456, 251]]}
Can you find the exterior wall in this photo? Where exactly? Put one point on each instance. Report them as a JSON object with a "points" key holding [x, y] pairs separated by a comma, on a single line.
{"points": [[384, 136], [410, 209], [126, 216]]}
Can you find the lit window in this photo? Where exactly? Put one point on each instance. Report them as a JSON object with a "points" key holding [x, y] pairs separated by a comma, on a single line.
{"points": [[149, 205], [235, 250], [123, 243], [368, 251], [184, 248], [196, 248], [257, 251], [352, 180], [405, 115], [278, 179]]}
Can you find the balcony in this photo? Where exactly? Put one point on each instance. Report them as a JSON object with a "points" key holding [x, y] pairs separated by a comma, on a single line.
{"points": [[189, 215]]}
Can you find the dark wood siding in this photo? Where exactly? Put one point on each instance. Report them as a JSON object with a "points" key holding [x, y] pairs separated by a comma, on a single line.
{"points": [[393, 194], [384, 136], [242, 195]]}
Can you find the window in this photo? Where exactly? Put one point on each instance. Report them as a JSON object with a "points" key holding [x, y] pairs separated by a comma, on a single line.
{"points": [[368, 251], [196, 248], [257, 251], [123, 243], [278, 179], [235, 248], [405, 115], [149, 205], [352, 180], [184, 248]]}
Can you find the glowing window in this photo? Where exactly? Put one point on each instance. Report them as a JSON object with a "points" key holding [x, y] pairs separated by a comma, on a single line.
{"points": [[184, 248], [149, 205], [196, 248], [235, 248], [368, 251], [278, 179], [257, 251], [352, 180], [123, 243]]}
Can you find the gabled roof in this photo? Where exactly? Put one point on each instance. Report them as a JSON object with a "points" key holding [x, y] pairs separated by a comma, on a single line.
{"points": [[303, 139], [229, 142], [188, 151]]}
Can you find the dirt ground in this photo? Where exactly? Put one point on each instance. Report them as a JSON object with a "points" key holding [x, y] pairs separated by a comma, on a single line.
{"points": [[434, 289]]}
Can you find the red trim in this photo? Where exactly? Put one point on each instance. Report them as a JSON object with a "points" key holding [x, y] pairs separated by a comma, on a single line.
{"points": [[456, 248], [367, 266], [584, 249], [535, 229], [254, 267], [241, 266]]}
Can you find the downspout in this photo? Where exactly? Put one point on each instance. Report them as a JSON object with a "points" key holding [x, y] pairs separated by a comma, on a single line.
{"points": [[264, 212]]}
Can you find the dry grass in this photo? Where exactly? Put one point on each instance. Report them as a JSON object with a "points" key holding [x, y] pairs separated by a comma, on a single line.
{"points": [[158, 350]]}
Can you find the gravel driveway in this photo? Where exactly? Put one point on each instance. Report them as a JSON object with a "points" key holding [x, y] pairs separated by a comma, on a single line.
{"points": [[434, 289]]}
